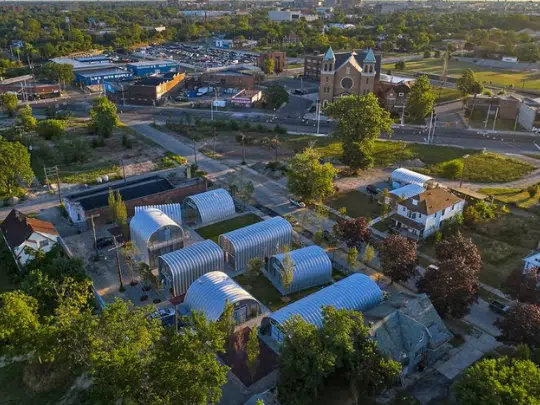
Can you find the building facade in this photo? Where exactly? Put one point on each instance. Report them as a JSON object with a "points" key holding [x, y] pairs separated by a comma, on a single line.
{"points": [[147, 91], [345, 74], [280, 60], [229, 79]]}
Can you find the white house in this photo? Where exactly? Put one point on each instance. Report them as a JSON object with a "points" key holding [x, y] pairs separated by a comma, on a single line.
{"points": [[424, 214], [532, 261], [24, 236]]}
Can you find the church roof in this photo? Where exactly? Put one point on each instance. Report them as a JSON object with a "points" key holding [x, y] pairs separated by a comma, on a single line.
{"points": [[359, 56], [329, 55], [370, 57]]}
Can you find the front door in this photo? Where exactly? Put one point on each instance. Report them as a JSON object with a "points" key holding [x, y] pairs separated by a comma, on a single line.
{"points": [[240, 314]]}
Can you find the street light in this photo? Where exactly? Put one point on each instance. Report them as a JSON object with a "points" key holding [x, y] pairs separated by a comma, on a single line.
{"points": [[463, 170]]}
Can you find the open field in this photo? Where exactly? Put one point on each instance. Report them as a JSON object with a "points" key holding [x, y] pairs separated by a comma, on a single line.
{"points": [[358, 204], [496, 77], [515, 196], [213, 231]]}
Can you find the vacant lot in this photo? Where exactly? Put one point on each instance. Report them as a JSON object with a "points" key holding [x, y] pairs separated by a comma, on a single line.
{"points": [[358, 204], [515, 196], [213, 231], [496, 77]]}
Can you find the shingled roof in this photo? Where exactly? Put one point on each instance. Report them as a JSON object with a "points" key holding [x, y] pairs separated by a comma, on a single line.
{"points": [[431, 201], [17, 228]]}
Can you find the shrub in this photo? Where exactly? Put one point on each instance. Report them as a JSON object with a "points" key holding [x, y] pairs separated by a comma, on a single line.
{"points": [[427, 54], [51, 128], [233, 125], [278, 129], [126, 142], [452, 169], [533, 190]]}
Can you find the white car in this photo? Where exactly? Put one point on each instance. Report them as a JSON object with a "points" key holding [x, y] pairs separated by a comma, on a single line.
{"points": [[297, 203]]}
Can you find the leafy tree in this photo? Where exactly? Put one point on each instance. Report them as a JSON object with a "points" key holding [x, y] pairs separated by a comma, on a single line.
{"points": [[111, 202], [427, 54], [253, 351], [269, 66], [120, 209], [14, 166], [420, 99], [227, 323], [521, 325], [308, 179], [385, 206], [19, 322], [468, 84], [287, 270], [318, 237], [352, 257], [26, 119], [369, 253], [522, 285], [354, 232], [360, 122], [104, 117], [499, 381], [9, 103], [63, 73], [274, 96], [49, 129], [147, 276], [398, 257], [254, 267], [437, 54], [459, 246], [400, 65]]}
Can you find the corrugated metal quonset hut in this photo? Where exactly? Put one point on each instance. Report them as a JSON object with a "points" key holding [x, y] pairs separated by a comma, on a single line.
{"points": [[208, 207], [179, 269], [408, 191], [401, 177], [173, 211], [312, 267], [209, 293], [357, 292], [155, 234], [263, 239]]}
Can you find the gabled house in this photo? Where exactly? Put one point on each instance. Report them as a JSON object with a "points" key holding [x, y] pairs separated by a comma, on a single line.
{"points": [[395, 98], [532, 261], [424, 214], [25, 236]]}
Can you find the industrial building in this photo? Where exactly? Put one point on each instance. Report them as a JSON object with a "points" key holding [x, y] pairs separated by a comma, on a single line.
{"points": [[152, 67], [279, 58], [205, 208], [262, 240], [27, 88], [154, 234], [402, 177], [179, 269], [311, 267], [173, 211], [150, 90], [246, 98], [99, 76], [209, 294], [147, 190], [229, 79], [356, 292]]}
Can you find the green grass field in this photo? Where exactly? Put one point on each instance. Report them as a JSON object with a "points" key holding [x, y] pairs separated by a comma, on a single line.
{"points": [[496, 77], [357, 204], [515, 196], [445, 94], [213, 231]]}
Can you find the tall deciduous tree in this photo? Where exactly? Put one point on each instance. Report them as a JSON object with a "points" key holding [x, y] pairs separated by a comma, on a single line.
{"points": [[15, 166], [269, 66], [398, 257], [460, 246], [287, 270], [104, 117], [19, 322], [353, 231], [521, 325], [253, 351], [420, 99], [360, 122], [275, 95], [227, 323], [9, 103], [499, 381], [308, 179], [468, 84], [26, 119]]}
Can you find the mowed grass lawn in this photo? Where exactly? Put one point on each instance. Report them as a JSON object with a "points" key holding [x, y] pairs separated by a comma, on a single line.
{"points": [[497, 77], [358, 204], [515, 196], [213, 231]]}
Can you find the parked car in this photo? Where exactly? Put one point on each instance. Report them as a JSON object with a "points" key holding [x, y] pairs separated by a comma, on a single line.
{"points": [[297, 203], [166, 315], [372, 189], [499, 307], [102, 243]]}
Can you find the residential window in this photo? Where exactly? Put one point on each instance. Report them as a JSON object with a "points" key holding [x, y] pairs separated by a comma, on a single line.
{"points": [[367, 80], [43, 243], [401, 94], [411, 215], [443, 211], [348, 70], [326, 79]]}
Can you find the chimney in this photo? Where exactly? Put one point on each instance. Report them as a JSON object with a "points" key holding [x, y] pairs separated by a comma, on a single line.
{"points": [[415, 202]]}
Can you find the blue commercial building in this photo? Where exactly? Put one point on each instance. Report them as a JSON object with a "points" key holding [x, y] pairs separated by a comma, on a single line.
{"points": [[99, 76], [147, 68], [94, 59]]}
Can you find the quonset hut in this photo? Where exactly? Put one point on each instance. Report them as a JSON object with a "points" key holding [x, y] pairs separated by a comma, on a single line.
{"points": [[209, 293], [155, 234], [401, 177], [311, 267], [208, 207], [262, 240], [173, 211], [179, 269], [357, 292]]}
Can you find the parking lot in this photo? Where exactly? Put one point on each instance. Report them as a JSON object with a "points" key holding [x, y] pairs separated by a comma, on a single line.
{"points": [[199, 57]]}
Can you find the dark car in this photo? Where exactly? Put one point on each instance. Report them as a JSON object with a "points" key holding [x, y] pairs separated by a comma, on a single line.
{"points": [[498, 307], [373, 189], [102, 243], [165, 315]]}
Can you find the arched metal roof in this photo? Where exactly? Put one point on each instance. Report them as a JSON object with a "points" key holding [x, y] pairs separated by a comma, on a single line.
{"points": [[408, 191], [312, 267], [212, 206], [173, 211], [358, 292], [182, 267], [406, 176], [209, 293], [262, 239], [146, 222]]}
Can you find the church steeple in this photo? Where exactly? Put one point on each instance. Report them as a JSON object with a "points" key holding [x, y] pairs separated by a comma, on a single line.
{"points": [[329, 61]]}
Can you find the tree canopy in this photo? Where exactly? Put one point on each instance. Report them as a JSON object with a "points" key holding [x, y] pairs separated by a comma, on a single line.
{"points": [[468, 84], [521, 325], [420, 99], [103, 117], [398, 257], [274, 96], [15, 168]]}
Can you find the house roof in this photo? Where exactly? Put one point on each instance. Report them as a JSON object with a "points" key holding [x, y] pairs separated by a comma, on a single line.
{"points": [[17, 228], [431, 201], [408, 222]]}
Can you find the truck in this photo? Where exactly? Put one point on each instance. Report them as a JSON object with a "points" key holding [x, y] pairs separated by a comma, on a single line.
{"points": [[219, 103]]}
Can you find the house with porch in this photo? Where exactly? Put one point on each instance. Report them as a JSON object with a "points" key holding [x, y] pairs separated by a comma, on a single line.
{"points": [[422, 215]]}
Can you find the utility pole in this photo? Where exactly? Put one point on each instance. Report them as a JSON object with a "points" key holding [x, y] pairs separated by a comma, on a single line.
{"points": [[214, 140], [154, 111], [51, 172], [116, 248], [91, 218], [487, 117], [403, 114], [318, 116], [463, 170], [123, 169]]}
